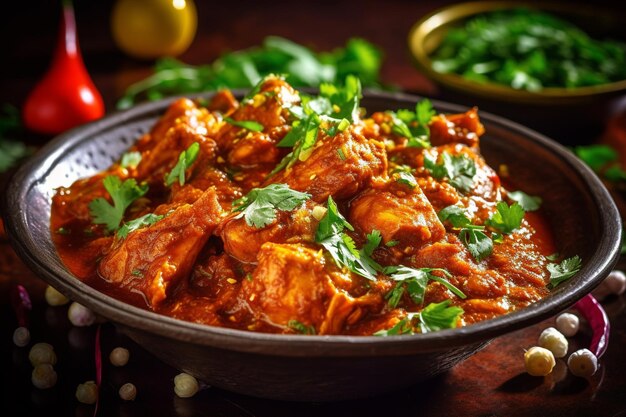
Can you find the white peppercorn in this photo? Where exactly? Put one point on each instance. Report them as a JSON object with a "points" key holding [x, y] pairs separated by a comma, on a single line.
{"points": [[128, 392], [567, 324], [554, 341], [87, 393], [21, 336], [538, 361], [119, 356], [582, 363], [185, 385], [44, 376], [42, 353], [80, 315], [54, 297]]}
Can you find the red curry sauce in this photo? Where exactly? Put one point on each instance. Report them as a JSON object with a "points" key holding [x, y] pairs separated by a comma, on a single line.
{"points": [[203, 263]]}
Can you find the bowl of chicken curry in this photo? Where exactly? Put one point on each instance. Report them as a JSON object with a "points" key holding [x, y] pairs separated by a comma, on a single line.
{"points": [[307, 245]]}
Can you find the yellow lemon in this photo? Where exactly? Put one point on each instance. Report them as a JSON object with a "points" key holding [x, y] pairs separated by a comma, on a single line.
{"points": [[154, 28]]}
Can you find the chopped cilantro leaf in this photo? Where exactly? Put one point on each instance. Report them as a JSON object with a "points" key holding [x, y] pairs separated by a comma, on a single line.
{"points": [[414, 126], [145, 220], [404, 175], [596, 156], [528, 202], [507, 218], [300, 327], [439, 316], [434, 317], [259, 206], [123, 194], [342, 248], [455, 215], [458, 169], [478, 243], [130, 159], [185, 159], [563, 271], [392, 243], [246, 124], [415, 281]]}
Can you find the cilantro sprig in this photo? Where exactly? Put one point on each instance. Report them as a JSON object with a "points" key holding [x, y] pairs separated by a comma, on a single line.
{"points": [[259, 206], [434, 317], [333, 111], [342, 248], [300, 327], [414, 125], [123, 195], [603, 160], [473, 236], [185, 159], [506, 218], [138, 223], [11, 150], [414, 282], [458, 169], [563, 271]]}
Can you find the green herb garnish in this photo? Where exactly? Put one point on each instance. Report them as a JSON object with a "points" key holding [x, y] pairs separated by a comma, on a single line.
{"points": [[458, 169], [563, 271], [528, 202], [259, 206], [473, 237], [414, 282], [341, 247], [531, 50], [130, 159], [403, 174], [143, 221], [246, 124], [434, 317], [300, 327], [245, 68], [185, 159], [11, 150], [506, 218], [123, 195]]}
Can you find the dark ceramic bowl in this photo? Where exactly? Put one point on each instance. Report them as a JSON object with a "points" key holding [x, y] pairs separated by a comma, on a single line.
{"points": [[570, 115], [294, 367]]}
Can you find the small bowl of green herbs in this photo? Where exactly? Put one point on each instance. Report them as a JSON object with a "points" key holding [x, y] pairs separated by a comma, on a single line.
{"points": [[555, 67]]}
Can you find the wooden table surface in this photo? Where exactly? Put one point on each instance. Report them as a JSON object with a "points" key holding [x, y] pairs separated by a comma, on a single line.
{"points": [[491, 383]]}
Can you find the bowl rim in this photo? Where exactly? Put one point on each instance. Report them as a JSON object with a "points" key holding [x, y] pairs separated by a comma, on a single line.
{"points": [[460, 11], [127, 315]]}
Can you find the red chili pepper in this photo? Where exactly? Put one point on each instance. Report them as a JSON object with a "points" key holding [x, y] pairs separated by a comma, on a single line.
{"points": [[21, 304], [66, 96], [595, 315]]}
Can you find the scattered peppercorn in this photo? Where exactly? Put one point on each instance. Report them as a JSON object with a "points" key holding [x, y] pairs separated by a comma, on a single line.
{"points": [[21, 336], [539, 361], [42, 353], [44, 376], [128, 392], [582, 363], [567, 324], [87, 393], [80, 315], [554, 341], [119, 356], [616, 282], [54, 297], [185, 385]]}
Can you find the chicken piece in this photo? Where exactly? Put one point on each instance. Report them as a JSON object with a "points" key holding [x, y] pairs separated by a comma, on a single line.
{"points": [[293, 282], [243, 148], [181, 112], [72, 203], [243, 242], [340, 166], [203, 177], [224, 102], [464, 128], [157, 162], [152, 260], [399, 213]]}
